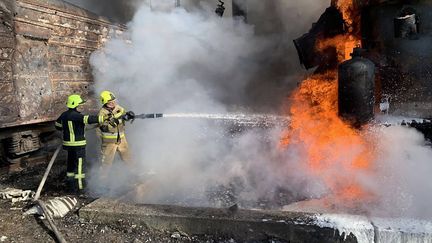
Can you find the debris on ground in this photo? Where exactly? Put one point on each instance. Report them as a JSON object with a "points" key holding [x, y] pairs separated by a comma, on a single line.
{"points": [[57, 207], [15, 228], [176, 235], [16, 195]]}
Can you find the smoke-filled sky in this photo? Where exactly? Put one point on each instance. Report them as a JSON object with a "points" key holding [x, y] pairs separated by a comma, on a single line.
{"points": [[193, 61], [276, 68]]}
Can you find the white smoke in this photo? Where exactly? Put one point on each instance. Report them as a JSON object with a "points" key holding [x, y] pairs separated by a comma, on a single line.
{"points": [[398, 180], [402, 181], [193, 61], [178, 57]]}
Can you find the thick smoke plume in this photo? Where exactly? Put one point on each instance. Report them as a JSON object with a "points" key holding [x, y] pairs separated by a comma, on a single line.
{"points": [[192, 61]]}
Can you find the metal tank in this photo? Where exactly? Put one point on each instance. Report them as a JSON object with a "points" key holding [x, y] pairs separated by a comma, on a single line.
{"points": [[45, 47], [356, 87], [328, 25]]}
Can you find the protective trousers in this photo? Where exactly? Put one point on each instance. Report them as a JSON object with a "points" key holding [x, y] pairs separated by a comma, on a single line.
{"points": [[76, 168], [109, 150]]}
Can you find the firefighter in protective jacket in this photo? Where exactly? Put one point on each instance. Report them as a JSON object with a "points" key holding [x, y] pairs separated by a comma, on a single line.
{"points": [[72, 123], [112, 132]]}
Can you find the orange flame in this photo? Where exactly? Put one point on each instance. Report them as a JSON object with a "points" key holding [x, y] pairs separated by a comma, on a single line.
{"points": [[348, 11], [344, 45], [333, 150]]}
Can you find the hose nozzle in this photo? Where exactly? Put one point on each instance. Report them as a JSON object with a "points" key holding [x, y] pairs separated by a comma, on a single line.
{"points": [[153, 115]]}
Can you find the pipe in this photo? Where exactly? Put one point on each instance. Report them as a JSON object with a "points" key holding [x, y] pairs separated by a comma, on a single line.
{"points": [[40, 203], [57, 233], [47, 171]]}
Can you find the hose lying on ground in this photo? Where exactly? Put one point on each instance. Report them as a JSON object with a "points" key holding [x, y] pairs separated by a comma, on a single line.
{"points": [[42, 205], [57, 233]]}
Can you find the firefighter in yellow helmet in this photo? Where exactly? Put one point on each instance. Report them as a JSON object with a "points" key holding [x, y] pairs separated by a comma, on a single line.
{"points": [[112, 132], [72, 123]]}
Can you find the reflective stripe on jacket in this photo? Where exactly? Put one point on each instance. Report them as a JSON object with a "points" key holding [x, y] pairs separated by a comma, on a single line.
{"points": [[110, 135], [72, 123], [108, 132]]}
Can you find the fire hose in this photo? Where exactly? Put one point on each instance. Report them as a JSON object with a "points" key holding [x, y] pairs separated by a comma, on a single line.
{"points": [[47, 171], [41, 204], [131, 116], [147, 116], [50, 220]]}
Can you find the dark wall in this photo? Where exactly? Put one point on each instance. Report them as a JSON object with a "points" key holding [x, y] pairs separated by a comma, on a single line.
{"points": [[404, 64], [120, 11]]}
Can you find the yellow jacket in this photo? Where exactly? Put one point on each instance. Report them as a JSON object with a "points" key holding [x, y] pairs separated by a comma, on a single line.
{"points": [[108, 132]]}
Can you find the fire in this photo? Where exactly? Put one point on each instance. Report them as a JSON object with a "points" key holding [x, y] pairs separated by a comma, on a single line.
{"points": [[350, 10], [344, 44], [333, 150]]}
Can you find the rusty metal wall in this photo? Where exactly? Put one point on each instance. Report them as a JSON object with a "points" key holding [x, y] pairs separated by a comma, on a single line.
{"points": [[45, 48], [9, 109]]}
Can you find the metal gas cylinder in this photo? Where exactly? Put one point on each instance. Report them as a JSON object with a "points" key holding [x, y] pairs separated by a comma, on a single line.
{"points": [[356, 86]]}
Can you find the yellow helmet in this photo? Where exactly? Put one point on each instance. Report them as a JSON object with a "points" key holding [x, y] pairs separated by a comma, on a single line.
{"points": [[106, 96], [74, 101]]}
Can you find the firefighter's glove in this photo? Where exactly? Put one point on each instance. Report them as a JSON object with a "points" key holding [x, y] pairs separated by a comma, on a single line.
{"points": [[113, 121], [129, 116]]}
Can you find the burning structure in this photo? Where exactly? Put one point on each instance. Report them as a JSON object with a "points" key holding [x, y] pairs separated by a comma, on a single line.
{"points": [[45, 50], [329, 112], [389, 74], [395, 36]]}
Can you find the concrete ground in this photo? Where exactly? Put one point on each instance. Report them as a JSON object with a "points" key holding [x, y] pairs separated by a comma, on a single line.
{"points": [[238, 224], [14, 227], [107, 220], [261, 225]]}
